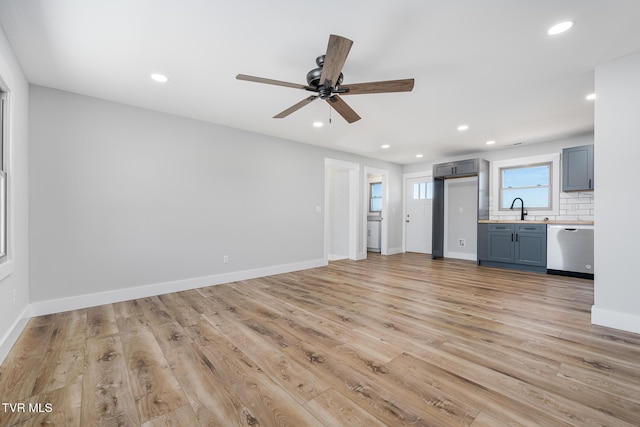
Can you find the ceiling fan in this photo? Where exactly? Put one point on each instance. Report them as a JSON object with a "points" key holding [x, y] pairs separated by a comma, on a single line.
{"points": [[326, 82]]}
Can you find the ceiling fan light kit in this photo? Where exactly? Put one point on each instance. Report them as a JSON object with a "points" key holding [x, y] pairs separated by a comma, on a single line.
{"points": [[326, 82]]}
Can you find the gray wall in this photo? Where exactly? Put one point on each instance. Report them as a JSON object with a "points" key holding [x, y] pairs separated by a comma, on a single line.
{"points": [[512, 152], [617, 288], [338, 212], [461, 217], [124, 197], [17, 267]]}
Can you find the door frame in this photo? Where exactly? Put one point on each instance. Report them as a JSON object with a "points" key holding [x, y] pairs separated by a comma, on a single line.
{"points": [[384, 227], [354, 175]]}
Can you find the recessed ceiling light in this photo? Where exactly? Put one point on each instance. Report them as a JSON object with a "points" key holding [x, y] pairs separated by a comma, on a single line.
{"points": [[318, 124], [591, 97], [160, 78], [385, 146], [462, 128], [491, 142], [419, 156], [560, 28]]}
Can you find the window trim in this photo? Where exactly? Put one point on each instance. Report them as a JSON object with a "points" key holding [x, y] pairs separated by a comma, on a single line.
{"points": [[497, 165], [6, 264], [4, 202]]}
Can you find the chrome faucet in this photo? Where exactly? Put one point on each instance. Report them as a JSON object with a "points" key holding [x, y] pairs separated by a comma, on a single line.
{"points": [[522, 214]]}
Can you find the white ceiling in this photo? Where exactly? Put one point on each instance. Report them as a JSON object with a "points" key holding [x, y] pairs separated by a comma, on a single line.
{"points": [[486, 63]]}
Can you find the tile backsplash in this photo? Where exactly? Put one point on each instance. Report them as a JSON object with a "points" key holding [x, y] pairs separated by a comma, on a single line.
{"points": [[574, 206]]}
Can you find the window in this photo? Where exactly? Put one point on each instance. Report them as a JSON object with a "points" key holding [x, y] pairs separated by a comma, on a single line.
{"points": [[532, 183], [375, 199], [3, 179], [422, 190]]}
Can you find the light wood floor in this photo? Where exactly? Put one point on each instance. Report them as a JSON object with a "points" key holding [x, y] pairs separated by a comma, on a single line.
{"points": [[398, 340]]}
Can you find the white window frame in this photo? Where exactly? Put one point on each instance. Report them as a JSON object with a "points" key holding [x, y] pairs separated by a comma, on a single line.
{"points": [[371, 198], [496, 166], [549, 192], [6, 263]]}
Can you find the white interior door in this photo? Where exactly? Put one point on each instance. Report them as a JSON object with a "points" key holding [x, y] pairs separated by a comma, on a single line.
{"points": [[418, 215]]}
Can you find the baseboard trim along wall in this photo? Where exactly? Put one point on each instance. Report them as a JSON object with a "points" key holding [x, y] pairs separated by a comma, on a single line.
{"points": [[614, 319], [41, 308], [10, 338]]}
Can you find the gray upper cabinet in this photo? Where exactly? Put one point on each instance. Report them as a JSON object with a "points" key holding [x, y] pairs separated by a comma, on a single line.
{"points": [[457, 169], [577, 168]]}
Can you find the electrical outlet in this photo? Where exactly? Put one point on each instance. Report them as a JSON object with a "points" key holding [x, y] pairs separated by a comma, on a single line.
{"points": [[225, 259], [462, 243]]}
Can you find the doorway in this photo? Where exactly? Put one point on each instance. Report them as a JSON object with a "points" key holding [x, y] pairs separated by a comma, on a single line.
{"points": [[418, 213], [461, 218], [340, 209], [381, 176]]}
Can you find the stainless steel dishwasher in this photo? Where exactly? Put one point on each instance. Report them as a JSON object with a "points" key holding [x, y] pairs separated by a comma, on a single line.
{"points": [[570, 250]]}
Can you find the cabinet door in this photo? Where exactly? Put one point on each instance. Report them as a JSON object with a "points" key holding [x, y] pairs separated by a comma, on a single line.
{"points": [[531, 249], [465, 167], [577, 168], [531, 244], [444, 169], [500, 245], [373, 235]]}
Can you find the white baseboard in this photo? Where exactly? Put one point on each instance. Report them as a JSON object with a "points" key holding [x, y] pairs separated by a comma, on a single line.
{"points": [[614, 319], [41, 308], [394, 251], [461, 255], [10, 338]]}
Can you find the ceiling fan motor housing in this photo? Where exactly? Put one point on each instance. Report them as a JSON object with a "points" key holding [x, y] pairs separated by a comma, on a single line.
{"points": [[313, 79]]}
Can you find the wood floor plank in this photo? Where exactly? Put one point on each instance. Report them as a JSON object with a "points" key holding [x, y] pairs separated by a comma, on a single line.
{"points": [[129, 315], [106, 392], [64, 358], [255, 340], [334, 409], [59, 407], [180, 417], [21, 368], [101, 321], [207, 393], [155, 388], [390, 340], [265, 402]]}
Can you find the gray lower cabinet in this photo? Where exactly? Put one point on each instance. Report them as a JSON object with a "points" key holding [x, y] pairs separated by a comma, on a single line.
{"points": [[517, 246]]}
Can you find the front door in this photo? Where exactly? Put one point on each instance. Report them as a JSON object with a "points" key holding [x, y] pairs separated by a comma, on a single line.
{"points": [[419, 197]]}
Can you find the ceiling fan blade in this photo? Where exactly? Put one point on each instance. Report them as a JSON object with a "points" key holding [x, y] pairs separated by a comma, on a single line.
{"points": [[405, 85], [343, 109], [295, 107], [337, 51], [271, 82]]}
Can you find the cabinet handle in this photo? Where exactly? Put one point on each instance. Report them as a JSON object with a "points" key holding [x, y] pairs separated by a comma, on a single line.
{"points": [[530, 228], [516, 237], [512, 237], [589, 182]]}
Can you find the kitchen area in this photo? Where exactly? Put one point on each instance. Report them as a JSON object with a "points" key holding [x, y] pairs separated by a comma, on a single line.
{"points": [[535, 220]]}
